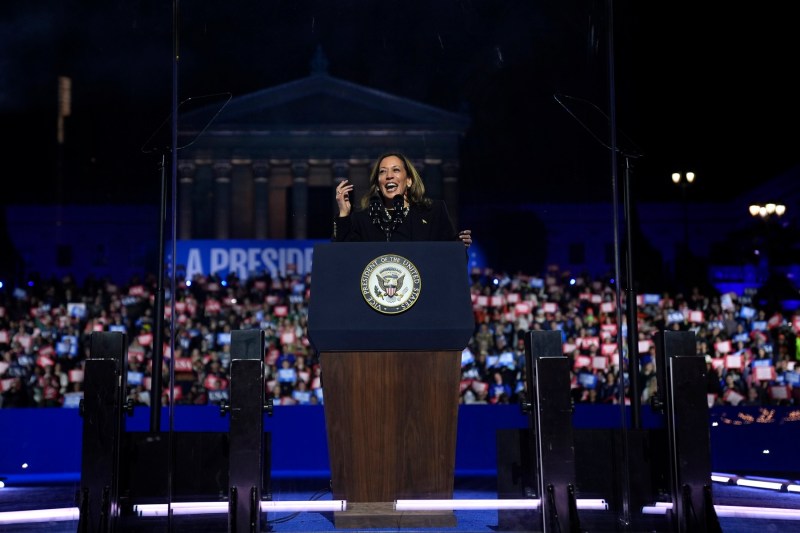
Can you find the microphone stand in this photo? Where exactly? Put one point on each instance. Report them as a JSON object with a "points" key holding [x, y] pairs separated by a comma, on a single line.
{"points": [[156, 143], [158, 343], [632, 366]]}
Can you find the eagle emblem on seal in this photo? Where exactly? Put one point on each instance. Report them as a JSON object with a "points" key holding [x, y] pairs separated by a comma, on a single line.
{"points": [[388, 285]]}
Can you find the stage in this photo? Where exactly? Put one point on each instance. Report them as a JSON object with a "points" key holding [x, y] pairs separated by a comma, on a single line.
{"points": [[41, 467], [62, 496]]}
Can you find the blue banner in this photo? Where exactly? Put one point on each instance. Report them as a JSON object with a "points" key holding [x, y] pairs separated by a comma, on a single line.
{"points": [[245, 258]]}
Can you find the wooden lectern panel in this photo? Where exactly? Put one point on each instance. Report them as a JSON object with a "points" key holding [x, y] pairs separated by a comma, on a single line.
{"points": [[391, 420]]}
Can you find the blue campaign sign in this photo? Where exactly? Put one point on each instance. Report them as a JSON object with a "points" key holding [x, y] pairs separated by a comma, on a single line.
{"points": [[245, 258]]}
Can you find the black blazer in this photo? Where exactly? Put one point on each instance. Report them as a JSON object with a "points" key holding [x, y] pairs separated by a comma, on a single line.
{"points": [[421, 224]]}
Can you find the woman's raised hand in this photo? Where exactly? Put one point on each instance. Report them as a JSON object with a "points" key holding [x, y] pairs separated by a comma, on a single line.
{"points": [[343, 200]]}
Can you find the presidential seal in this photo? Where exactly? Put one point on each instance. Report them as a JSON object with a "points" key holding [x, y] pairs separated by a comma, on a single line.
{"points": [[390, 284]]}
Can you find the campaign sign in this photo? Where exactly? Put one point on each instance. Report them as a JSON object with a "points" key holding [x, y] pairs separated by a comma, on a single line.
{"points": [[217, 396], [747, 312], [652, 299], [764, 373], [588, 381], [506, 359], [72, 400], [76, 309], [733, 361], [723, 347], [287, 375], [732, 397], [779, 392], [302, 397]]}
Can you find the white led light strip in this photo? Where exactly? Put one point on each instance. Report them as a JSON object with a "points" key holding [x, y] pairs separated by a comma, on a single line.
{"points": [[758, 484], [181, 508], [472, 505], [39, 515], [178, 508], [734, 511]]}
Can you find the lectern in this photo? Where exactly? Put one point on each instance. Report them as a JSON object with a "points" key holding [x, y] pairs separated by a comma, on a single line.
{"points": [[390, 321]]}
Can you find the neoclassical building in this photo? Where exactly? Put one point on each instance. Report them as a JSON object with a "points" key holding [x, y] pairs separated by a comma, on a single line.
{"points": [[265, 166]]}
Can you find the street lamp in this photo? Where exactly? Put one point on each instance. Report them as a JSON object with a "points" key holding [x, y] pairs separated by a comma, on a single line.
{"points": [[768, 210], [683, 180], [775, 285], [767, 213]]}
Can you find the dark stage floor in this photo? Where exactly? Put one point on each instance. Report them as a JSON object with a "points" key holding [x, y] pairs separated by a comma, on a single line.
{"points": [[32, 497]]}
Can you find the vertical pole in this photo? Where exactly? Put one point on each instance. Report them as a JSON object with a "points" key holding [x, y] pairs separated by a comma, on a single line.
{"points": [[158, 337], [625, 518], [630, 307]]}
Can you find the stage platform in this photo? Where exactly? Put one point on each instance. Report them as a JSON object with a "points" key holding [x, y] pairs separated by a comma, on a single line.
{"points": [[61, 496], [41, 467]]}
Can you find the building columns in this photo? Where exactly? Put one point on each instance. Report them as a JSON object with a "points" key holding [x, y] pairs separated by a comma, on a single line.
{"points": [[299, 200], [261, 171], [222, 199]]}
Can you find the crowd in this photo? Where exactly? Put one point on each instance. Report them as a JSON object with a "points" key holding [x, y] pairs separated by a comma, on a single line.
{"points": [[46, 327]]}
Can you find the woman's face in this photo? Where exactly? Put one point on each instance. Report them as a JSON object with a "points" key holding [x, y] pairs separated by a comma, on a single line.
{"points": [[393, 180]]}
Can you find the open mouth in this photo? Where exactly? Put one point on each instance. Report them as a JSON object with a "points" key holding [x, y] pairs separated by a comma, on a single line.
{"points": [[391, 187]]}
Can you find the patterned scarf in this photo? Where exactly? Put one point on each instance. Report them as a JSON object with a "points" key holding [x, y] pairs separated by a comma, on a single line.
{"points": [[388, 220]]}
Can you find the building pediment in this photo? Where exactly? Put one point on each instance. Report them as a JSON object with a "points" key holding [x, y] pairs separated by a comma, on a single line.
{"points": [[321, 102]]}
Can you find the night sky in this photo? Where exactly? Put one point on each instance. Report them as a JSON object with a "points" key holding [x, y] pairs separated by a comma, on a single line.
{"points": [[695, 88]]}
